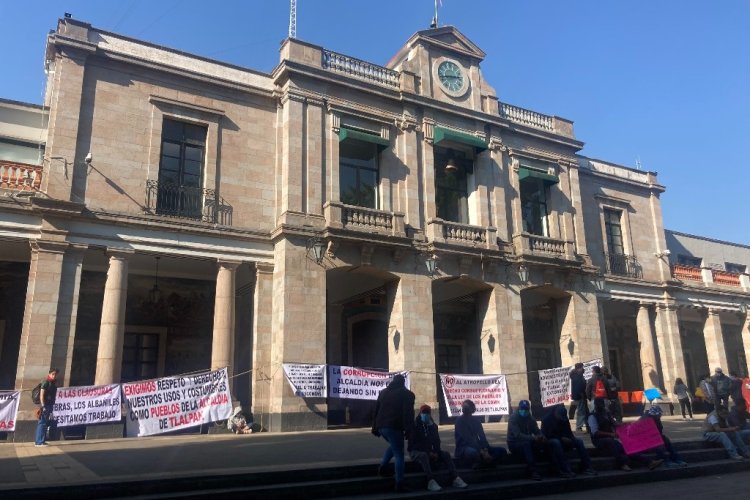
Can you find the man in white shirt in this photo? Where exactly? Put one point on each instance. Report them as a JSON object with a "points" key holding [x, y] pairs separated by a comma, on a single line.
{"points": [[717, 430]]}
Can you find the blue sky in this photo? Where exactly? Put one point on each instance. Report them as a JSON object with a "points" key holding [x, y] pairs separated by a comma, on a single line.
{"points": [[665, 81]]}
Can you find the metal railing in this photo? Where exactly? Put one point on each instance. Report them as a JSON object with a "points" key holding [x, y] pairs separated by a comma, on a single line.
{"points": [[187, 202], [622, 265], [360, 69]]}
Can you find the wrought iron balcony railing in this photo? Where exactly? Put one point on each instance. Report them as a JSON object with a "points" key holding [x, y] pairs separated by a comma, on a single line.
{"points": [[622, 265], [187, 202]]}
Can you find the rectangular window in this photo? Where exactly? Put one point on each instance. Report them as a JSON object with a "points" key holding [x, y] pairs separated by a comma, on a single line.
{"points": [[451, 186], [689, 260], [183, 147], [358, 173], [140, 355], [534, 206], [613, 228], [734, 268]]}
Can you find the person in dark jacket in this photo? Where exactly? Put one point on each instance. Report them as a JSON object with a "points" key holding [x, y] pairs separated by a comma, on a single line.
{"points": [[394, 414], [472, 447], [424, 448], [556, 428], [578, 395], [525, 439]]}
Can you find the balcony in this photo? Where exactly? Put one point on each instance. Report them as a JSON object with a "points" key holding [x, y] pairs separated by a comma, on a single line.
{"points": [[20, 176], [622, 265], [455, 233], [185, 202], [364, 219], [683, 272], [726, 278], [532, 244]]}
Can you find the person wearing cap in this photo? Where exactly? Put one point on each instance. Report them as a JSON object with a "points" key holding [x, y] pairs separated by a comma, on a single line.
{"points": [[394, 414], [723, 385], [556, 428], [525, 439], [671, 457], [716, 429], [472, 448], [424, 448]]}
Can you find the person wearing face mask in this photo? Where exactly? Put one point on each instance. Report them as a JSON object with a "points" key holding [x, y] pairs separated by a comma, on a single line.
{"points": [[424, 448], [472, 448], [525, 439], [556, 428]]}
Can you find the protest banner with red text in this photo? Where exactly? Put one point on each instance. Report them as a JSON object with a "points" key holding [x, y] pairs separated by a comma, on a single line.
{"points": [[9, 410], [87, 405], [348, 382], [173, 403], [488, 392], [554, 384], [639, 436]]}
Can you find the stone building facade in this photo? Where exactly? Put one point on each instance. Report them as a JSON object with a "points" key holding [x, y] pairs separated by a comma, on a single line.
{"points": [[190, 214]]}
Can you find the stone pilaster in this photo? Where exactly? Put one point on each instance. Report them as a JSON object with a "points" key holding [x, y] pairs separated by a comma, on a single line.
{"points": [[714, 338], [670, 344], [299, 334], [479, 213], [575, 216], [428, 173], [292, 154], [222, 344], [411, 334], [49, 321], [262, 334], [649, 370], [580, 329], [112, 331], [499, 207], [313, 158]]}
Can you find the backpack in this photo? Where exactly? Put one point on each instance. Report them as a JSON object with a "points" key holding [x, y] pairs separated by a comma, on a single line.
{"points": [[35, 393], [600, 390]]}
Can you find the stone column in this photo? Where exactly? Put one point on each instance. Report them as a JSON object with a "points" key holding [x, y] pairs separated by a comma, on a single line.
{"points": [[49, 321], [411, 334], [222, 345], [112, 331], [670, 344], [479, 211], [714, 338], [262, 332], [404, 175], [648, 353]]}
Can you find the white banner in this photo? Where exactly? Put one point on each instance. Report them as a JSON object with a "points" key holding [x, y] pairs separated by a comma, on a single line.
{"points": [[9, 410], [348, 382], [307, 381], [87, 405], [488, 392], [554, 384], [172, 403]]}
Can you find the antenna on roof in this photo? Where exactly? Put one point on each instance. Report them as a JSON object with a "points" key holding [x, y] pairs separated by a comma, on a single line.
{"points": [[638, 163], [293, 19], [434, 23]]}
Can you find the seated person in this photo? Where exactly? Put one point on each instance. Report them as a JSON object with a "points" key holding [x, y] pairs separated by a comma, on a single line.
{"points": [[424, 448], [525, 438], [602, 430], [738, 418], [237, 422], [556, 428], [472, 447], [654, 413], [716, 429]]}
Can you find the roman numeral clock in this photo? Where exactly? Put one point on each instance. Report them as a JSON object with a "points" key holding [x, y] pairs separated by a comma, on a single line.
{"points": [[453, 79]]}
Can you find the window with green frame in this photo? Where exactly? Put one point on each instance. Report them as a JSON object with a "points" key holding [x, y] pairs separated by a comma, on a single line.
{"points": [[358, 173], [451, 188], [534, 213]]}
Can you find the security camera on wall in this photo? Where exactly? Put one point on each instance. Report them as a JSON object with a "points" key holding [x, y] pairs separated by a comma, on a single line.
{"points": [[88, 158]]}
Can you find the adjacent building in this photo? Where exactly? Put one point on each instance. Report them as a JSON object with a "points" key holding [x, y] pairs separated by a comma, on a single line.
{"points": [[190, 214]]}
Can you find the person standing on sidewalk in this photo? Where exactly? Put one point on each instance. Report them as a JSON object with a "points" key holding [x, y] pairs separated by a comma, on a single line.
{"points": [[47, 397], [578, 395], [394, 417], [683, 396]]}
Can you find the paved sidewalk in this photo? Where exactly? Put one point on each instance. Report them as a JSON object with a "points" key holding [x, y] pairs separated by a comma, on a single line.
{"points": [[115, 460]]}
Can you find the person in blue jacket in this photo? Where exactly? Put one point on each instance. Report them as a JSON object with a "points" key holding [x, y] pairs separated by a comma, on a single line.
{"points": [[525, 438]]}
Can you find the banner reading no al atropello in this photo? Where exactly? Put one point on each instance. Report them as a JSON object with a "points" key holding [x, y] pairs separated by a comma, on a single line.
{"points": [[172, 403], [307, 381], [348, 382], [9, 410], [93, 404], [488, 392]]}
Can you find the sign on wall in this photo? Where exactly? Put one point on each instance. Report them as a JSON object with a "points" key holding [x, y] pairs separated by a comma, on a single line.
{"points": [[87, 405], [172, 403], [307, 381], [348, 382], [488, 392]]}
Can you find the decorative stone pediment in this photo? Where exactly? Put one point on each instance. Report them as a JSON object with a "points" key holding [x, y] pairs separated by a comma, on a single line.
{"points": [[449, 38]]}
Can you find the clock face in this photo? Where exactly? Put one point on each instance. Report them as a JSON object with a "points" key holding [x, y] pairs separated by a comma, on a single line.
{"points": [[451, 76]]}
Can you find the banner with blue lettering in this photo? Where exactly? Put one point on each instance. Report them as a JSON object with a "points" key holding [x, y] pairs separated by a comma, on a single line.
{"points": [[172, 403]]}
